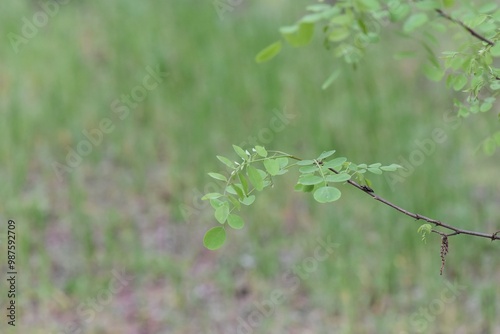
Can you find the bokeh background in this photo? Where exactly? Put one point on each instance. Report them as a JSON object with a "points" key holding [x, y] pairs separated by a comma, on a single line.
{"points": [[115, 244]]}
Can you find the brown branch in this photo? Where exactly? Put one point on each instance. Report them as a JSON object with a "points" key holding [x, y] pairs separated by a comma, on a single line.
{"points": [[463, 25], [416, 216]]}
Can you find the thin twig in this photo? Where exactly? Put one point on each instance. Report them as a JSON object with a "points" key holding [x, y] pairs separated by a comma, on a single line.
{"points": [[463, 25], [416, 216]]}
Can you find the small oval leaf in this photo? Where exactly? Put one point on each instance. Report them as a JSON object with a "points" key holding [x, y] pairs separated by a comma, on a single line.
{"points": [[211, 196], [255, 178], [338, 177], [226, 161], [218, 176], [248, 200], [272, 166], [327, 194], [214, 238], [335, 163], [308, 169], [235, 222], [326, 154], [222, 212], [241, 152], [261, 151], [300, 35], [269, 52], [310, 180]]}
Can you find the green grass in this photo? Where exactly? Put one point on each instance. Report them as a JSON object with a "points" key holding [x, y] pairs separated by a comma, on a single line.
{"points": [[121, 208]]}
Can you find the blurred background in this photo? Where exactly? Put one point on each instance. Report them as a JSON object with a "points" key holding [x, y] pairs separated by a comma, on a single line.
{"points": [[105, 158]]}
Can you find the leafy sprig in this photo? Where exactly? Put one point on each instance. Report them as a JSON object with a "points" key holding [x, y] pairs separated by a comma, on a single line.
{"points": [[256, 170], [349, 27]]}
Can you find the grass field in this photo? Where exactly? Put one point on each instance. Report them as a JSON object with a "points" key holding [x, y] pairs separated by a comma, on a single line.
{"points": [[113, 243]]}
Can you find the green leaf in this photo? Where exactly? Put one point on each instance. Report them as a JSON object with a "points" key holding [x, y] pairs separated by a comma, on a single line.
{"points": [[261, 151], [255, 178], [368, 183], [269, 52], [222, 212], [425, 228], [307, 188], [325, 155], [399, 11], [459, 82], [240, 152], [272, 166], [244, 183], [335, 163], [338, 177], [299, 35], [331, 79], [326, 194], [215, 203], [235, 221], [374, 170], [211, 196], [214, 238], [310, 179], [343, 19], [485, 107], [283, 162], [230, 189], [312, 18], [455, 62], [432, 72], [390, 168], [248, 200], [218, 176], [338, 34], [226, 161], [308, 169], [415, 21]]}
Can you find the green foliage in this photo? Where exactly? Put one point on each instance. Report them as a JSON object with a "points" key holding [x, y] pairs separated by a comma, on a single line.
{"points": [[349, 27], [254, 171], [490, 144], [269, 52], [424, 229], [214, 238]]}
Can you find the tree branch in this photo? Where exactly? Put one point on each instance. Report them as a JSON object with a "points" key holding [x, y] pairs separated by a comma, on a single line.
{"points": [[456, 231], [463, 25]]}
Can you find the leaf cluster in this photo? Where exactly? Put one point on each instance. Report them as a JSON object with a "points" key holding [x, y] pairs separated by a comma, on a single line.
{"points": [[256, 170], [350, 26]]}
